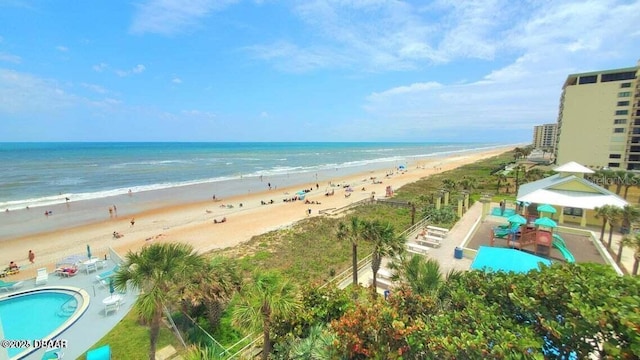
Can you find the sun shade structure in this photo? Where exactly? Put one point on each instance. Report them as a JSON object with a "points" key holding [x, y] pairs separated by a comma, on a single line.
{"points": [[568, 188], [546, 222], [517, 219], [546, 208]]}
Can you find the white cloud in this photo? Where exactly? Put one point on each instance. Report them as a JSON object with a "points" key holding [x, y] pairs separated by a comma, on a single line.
{"points": [[95, 88], [138, 69], [172, 16], [176, 80], [25, 93], [199, 114], [62, 48], [264, 115], [100, 67], [10, 58]]}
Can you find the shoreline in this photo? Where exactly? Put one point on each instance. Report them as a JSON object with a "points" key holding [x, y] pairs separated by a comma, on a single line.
{"points": [[178, 219]]}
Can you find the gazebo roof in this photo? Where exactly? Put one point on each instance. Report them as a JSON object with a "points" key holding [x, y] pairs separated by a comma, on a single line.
{"points": [[568, 191], [573, 167]]}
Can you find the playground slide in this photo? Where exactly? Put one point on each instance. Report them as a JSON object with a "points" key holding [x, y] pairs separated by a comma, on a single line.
{"points": [[558, 243]]}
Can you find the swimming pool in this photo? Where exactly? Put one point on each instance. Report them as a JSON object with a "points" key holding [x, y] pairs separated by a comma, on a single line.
{"points": [[505, 259], [39, 314]]}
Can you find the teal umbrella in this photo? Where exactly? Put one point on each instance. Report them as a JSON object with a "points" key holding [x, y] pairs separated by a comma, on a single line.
{"points": [[546, 208], [517, 219], [546, 222], [89, 251], [111, 288]]}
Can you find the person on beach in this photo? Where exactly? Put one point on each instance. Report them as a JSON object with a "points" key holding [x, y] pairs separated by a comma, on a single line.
{"points": [[133, 221], [115, 211], [32, 256], [110, 212], [13, 266]]}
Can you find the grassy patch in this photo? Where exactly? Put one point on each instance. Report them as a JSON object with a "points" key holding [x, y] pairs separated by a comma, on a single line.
{"points": [[130, 340]]}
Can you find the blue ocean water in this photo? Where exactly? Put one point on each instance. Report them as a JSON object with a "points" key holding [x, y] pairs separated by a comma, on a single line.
{"points": [[41, 174]]}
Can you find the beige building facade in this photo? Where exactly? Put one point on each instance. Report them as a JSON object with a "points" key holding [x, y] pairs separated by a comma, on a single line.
{"points": [[599, 120], [544, 137]]}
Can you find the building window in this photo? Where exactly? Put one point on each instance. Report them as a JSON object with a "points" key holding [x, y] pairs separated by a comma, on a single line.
{"points": [[622, 112], [629, 75], [618, 130], [592, 79], [615, 156], [623, 103], [624, 94], [620, 121], [614, 165], [572, 211], [625, 85]]}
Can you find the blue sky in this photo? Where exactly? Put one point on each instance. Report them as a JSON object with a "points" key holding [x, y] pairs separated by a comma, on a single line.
{"points": [[261, 70]]}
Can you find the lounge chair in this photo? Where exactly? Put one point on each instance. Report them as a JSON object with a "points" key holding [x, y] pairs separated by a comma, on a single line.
{"points": [[10, 285], [107, 274], [101, 353], [42, 277]]}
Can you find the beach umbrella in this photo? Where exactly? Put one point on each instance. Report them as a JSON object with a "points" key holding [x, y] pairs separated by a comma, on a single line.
{"points": [[546, 222], [517, 219], [89, 251], [546, 208], [111, 288]]}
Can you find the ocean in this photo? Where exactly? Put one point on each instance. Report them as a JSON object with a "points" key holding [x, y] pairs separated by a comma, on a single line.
{"points": [[38, 178], [45, 174]]}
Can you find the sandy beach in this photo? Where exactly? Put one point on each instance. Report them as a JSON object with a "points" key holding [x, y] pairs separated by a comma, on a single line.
{"points": [[195, 222]]}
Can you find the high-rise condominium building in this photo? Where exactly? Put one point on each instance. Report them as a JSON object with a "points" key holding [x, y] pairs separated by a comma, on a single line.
{"points": [[599, 119], [544, 137]]}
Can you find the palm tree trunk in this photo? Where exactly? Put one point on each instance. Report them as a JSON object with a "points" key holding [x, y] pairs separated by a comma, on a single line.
{"points": [[635, 265], [354, 262], [154, 331], [619, 254], [604, 223], [266, 330], [375, 266], [626, 191], [610, 235]]}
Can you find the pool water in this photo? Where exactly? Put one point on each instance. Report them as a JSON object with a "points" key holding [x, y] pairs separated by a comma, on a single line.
{"points": [[505, 259], [35, 315]]}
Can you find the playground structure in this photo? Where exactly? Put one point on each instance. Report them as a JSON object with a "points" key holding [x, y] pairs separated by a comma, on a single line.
{"points": [[520, 234]]}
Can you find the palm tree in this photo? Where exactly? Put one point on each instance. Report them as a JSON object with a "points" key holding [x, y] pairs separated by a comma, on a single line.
{"points": [[469, 183], [615, 214], [449, 184], [524, 173], [619, 176], [423, 276], [500, 176], [156, 271], [318, 345], [624, 242], [385, 243], [213, 287], [634, 243], [602, 212], [267, 297], [351, 232], [630, 214], [631, 179]]}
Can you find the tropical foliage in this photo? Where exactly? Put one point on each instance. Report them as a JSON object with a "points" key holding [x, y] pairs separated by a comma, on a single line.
{"points": [[157, 272]]}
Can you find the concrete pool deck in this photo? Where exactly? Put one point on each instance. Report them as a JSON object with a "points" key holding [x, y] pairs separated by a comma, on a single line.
{"points": [[93, 325]]}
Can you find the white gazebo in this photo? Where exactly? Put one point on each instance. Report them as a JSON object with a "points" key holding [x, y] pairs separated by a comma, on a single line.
{"points": [[568, 189]]}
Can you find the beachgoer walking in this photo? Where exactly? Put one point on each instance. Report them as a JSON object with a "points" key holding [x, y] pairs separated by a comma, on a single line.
{"points": [[269, 184], [133, 221], [309, 212], [32, 256], [110, 212], [115, 211]]}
